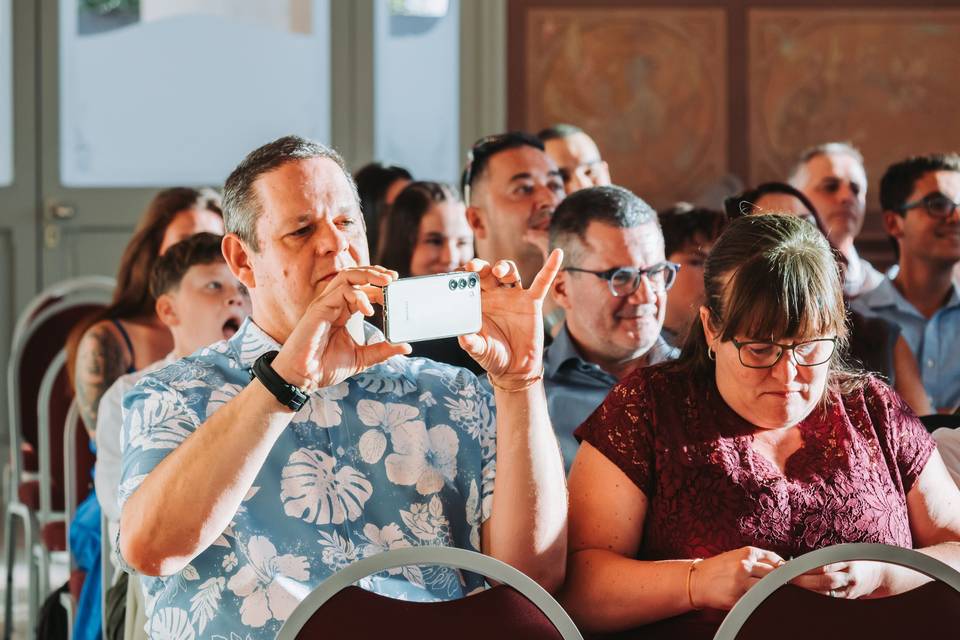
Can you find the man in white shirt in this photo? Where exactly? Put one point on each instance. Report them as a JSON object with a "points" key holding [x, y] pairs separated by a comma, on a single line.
{"points": [[832, 176]]}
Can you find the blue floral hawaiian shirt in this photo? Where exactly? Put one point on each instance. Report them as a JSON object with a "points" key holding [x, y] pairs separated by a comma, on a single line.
{"points": [[400, 455]]}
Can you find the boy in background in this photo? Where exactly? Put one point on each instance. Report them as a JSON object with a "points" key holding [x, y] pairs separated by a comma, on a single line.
{"points": [[201, 303]]}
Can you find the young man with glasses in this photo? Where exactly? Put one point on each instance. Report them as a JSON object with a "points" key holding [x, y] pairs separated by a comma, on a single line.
{"points": [[613, 290], [920, 199]]}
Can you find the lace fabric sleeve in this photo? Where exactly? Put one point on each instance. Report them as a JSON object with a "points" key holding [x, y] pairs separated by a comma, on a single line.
{"points": [[901, 432], [621, 429]]}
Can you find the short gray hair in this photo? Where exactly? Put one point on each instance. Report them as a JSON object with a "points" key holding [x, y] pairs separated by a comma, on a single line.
{"points": [[825, 149], [240, 205]]}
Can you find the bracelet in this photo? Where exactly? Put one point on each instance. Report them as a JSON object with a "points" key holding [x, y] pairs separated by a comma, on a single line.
{"points": [[525, 385], [689, 585]]}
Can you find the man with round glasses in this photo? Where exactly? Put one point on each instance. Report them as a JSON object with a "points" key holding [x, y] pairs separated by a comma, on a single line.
{"points": [[613, 290], [920, 197]]}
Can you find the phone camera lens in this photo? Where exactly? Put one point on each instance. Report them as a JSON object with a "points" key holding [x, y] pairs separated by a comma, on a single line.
{"points": [[462, 283], [453, 285], [473, 281]]}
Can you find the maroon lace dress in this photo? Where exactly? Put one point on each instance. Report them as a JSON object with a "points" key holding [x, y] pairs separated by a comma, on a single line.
{"points": [[710, 492]]}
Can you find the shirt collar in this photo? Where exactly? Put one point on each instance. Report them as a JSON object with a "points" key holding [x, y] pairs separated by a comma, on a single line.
{"points": [[886, 296], [562, 350], [251, 342]]}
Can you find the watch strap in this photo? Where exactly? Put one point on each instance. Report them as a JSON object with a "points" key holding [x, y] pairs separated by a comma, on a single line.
{"points": [[287, 394]]}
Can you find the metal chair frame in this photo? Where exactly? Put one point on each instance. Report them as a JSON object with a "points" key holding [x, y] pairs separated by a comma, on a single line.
{"points": [[77, 292], [909, 558], [429, 555]]}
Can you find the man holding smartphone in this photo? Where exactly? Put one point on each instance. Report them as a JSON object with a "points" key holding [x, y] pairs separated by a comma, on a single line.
{"points": [[258, 467]]}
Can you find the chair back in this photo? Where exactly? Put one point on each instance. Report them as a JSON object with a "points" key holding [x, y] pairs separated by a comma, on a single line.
{"points": [[774, 608], [82, 288], [508, 610], [78, 462], [35, 346], [53, 404], [936, 421]]}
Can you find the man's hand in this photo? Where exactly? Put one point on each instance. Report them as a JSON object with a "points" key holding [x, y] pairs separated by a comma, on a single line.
{"points": [[509, 345], [320, 352]]}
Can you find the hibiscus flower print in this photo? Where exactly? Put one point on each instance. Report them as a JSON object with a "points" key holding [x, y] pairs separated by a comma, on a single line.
{"points": [[385, 418], [423, 458], [262, 584], [314, 490], [324, 410], [390, 537]]}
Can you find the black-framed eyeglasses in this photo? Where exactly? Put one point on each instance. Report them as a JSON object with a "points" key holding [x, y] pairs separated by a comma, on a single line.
{"points": [[623, 281], [937, 205], [756, 354]]}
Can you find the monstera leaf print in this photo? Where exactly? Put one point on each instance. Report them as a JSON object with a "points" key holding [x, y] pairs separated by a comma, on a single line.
{"points": [[171, 624], [314, 490]]}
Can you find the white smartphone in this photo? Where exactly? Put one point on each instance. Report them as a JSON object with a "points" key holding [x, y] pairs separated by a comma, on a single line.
{"points": [[430, 307]]}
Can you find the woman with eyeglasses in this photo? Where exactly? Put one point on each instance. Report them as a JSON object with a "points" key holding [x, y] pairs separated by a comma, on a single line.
{"points": [[698, 477], [874, 343]]}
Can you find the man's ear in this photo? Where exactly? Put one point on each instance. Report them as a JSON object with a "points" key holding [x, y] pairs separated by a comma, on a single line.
{"points": [[167, 310], [559, 291], [477, 223], [893, 224], [237, 255]]}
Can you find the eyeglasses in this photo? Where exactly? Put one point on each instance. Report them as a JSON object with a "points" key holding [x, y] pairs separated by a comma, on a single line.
{"points": [[763, 355], [623, 281], [936, 204]]}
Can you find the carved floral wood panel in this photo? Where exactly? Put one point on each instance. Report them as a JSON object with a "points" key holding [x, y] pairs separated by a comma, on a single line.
{"points": [[887, 80], [650, 85]]}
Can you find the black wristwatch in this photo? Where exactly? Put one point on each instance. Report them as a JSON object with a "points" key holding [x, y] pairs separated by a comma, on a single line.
{"points": [[288, 394]]}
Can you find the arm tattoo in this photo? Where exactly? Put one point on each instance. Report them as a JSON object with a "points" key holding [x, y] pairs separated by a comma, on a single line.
{"points": [[100, 361]]}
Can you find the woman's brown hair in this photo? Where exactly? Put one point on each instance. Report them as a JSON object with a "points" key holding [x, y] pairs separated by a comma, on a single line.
{"points": [[771, 276], [131, 297], [401, 226]]}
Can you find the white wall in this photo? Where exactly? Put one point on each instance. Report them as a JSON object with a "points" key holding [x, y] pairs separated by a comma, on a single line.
{"points": [[178, 99], [417, 92]]}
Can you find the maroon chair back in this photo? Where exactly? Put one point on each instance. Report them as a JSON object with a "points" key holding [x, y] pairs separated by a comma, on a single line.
{"points": [[45, 340], [791, 613], [495, 614]]}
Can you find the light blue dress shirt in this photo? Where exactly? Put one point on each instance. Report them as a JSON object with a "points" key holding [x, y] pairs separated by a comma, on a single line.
{"points": [[934, 342], [400, 455]]}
